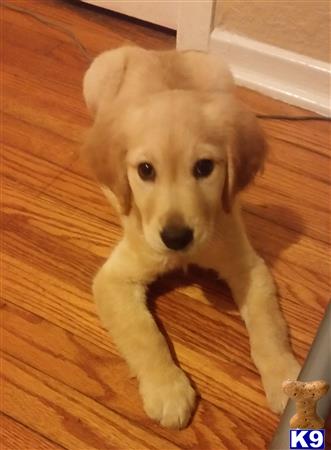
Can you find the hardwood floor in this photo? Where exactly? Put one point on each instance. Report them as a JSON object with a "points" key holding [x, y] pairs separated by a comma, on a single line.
{"points": [[64, 384]]}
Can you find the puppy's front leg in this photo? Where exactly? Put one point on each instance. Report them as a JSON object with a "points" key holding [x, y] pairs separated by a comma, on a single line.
{"points": [[255, 294], [120, 293]]}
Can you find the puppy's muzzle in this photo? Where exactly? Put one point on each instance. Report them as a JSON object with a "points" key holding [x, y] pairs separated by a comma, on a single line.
{"points": [[176, 238]]}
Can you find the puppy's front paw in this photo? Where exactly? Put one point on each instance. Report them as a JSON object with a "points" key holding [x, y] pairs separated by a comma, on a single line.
{"points": [[288, 369], [169, 399]]}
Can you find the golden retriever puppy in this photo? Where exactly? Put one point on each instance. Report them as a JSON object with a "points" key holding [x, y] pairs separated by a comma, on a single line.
{"points": [[172, 147]]}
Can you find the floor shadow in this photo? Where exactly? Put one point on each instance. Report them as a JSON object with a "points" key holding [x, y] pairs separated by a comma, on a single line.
{"points": [[214, 290], [272, 229], [159, 288]]}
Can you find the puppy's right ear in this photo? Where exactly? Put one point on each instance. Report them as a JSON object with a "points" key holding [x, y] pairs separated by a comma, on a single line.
{"points": [[105, 152]]}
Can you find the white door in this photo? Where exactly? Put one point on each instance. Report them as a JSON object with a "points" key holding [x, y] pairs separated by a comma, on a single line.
{"points": [[164, 12]]}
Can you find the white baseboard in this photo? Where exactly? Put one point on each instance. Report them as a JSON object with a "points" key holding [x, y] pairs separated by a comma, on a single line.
{"points": [[288, 76]]}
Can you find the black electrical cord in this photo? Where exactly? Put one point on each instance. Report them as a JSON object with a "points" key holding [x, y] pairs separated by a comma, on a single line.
{"points": [[285, 117]]}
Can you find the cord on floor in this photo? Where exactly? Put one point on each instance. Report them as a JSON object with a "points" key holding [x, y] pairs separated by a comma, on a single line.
{"points": [[50, 23], [285, 117]]}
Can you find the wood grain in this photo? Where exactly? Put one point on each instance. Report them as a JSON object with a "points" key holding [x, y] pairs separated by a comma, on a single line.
{"points": [[14, 435], [64, 384], [102, 376]]}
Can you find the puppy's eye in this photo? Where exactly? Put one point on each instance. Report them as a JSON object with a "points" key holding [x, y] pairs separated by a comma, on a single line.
{"points": [[203, 168], [146, 171]]}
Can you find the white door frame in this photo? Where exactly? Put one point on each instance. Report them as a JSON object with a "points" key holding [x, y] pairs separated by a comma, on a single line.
{"points": [[194, 26]]}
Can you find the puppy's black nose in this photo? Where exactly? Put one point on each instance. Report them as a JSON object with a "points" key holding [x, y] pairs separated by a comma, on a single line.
{"points": [[176, 238]]}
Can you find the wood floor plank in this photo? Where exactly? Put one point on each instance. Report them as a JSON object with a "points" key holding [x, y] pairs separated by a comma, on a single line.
{"points": [[18, 166], [36, 142], [297, 188], [36, 400], [303, 160], [25, 171], [46, 111], [314, 136], [23, 58], [14, 435], [89, 22]]}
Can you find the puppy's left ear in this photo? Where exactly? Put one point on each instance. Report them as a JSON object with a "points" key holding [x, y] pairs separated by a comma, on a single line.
{"points": [[246, 152]]}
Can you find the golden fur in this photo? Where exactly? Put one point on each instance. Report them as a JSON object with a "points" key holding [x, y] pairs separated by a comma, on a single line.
{"points": [[172, 109]]}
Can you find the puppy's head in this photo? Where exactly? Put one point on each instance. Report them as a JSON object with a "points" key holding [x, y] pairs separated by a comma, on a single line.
{"points": [[176, 160]]}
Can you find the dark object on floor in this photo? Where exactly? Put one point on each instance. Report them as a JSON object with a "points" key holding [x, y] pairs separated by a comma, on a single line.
{"points": [[317, 366]]}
